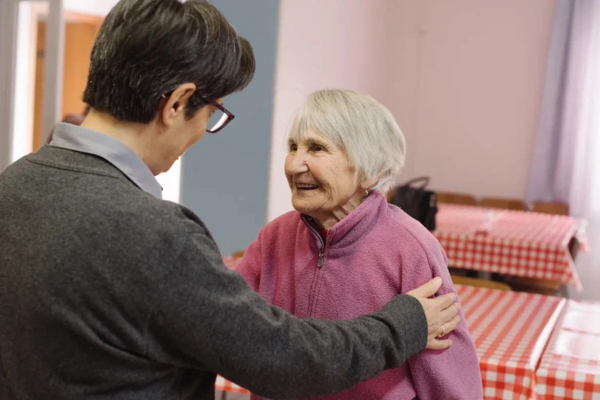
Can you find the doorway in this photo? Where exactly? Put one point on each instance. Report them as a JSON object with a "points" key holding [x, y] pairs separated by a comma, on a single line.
{"points": [[80, 33]]}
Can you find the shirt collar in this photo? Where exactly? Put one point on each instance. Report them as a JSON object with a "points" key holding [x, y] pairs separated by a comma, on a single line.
{"points": [[85, 140]]}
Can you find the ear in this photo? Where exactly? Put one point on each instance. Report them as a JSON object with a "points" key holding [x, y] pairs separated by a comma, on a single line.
{"points": [[176, 102], [369, 183]]}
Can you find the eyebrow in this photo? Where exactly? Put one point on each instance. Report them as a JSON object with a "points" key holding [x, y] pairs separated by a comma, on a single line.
{"points": [[309, 142]]}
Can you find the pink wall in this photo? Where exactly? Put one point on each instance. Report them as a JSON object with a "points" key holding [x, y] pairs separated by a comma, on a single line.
{"points": [[463, 78], [470, 90], [322, 44]]}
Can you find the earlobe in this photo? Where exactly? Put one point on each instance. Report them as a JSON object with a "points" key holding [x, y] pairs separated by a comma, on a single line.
{"points": [[167, 113], [369, 183]]}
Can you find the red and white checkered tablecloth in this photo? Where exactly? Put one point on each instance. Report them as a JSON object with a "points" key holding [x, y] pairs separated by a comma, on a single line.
{"points": [[570, 366], [224, 385], [515, 243], [231, 262], [510, 331]]}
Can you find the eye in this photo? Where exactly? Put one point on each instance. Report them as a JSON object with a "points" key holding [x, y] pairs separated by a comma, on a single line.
{"points": [[293, 147], [317, 147]]}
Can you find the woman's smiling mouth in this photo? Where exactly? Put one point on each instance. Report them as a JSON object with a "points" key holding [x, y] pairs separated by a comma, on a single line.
{"points": [[306, 186]]}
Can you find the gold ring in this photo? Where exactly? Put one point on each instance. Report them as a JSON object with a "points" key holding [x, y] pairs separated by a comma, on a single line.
{"points": [[443, 331]]}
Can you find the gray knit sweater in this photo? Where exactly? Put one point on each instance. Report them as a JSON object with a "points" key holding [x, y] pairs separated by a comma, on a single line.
{"points": [[109, 293]]}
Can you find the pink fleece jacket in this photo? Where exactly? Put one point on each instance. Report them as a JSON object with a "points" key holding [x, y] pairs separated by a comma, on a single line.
{"points": [[373, 254]]}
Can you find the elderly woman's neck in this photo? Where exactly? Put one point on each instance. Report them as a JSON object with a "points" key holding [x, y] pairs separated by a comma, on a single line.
{"points": [[328, 218]]}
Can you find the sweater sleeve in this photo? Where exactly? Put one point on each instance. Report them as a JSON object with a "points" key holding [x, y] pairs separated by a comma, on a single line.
{"points": [[452, 373], [250, 266], [206, 317]]}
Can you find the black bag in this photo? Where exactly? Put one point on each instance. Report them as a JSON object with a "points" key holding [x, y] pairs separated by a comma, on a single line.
{"points": [[417, 202]]}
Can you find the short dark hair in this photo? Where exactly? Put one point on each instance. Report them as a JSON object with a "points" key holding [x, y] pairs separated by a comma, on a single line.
{"points": [[147, 48]]}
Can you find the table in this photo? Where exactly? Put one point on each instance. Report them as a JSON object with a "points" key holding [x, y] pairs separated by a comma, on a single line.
{"points": [[516, 243], [510, 331], [224, 385], [570, 366], [231, 262]]}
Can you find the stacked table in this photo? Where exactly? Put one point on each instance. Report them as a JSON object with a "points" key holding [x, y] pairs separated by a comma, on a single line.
{"points": [[516, 243], [510, 331], [570, 366]]}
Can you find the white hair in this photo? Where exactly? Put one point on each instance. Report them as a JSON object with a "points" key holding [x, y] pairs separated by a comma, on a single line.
{"points": [[359, 125]]}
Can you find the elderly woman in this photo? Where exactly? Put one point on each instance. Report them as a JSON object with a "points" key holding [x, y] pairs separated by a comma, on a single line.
{"points": [[345, 251]]}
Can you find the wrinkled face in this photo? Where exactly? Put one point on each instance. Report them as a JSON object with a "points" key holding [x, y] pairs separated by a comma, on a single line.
{"points": [[321, 177]]}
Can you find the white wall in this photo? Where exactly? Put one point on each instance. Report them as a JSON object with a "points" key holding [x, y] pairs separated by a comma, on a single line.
{"points": [[463, 78], [8, 51], [25, 82]]}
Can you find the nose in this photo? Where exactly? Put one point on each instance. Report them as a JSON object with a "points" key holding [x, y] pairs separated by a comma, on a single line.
{"points": [[295, 163]]}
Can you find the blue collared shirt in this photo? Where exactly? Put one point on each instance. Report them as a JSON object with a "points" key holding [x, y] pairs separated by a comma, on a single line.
{"points": [[85, 140]]}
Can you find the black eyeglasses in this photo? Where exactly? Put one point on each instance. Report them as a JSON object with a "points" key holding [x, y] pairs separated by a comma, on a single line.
{"points": [[218, 119]]}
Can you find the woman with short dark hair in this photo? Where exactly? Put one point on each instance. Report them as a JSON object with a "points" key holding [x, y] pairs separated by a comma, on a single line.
{"points": [[147, 48]]}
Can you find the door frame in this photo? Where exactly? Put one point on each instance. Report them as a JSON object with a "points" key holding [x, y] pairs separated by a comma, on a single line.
{"points": [[53, 71]]}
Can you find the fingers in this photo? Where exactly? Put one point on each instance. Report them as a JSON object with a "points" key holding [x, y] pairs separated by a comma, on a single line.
{"points": [[444, 301], [437, 344], [448, 314], [441, 311], [427, 290], [450, 326]]}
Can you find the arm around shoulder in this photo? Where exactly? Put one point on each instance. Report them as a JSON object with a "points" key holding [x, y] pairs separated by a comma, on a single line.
{"points": [[206, 316]]}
